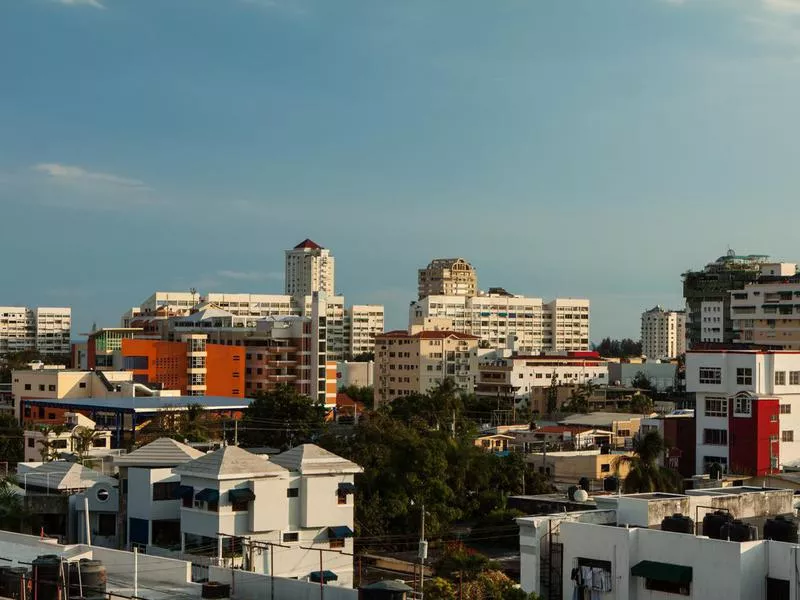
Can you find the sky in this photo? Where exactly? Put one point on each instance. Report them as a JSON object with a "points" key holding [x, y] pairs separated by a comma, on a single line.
{"points": [[583, 148]]}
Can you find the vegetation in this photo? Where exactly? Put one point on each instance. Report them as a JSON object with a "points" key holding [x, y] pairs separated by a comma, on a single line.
{"points": [[624, 348], [11, 439], [364, 357], [645, 474], [281, 419], [14, 361], [641, 404], [13, 516], [641, 381], [365, 394]]}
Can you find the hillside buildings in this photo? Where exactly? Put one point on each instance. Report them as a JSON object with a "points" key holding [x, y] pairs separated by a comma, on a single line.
{"points": [[309, 269], [44, 329], [447, 277], [663, 333], [414, 362], [500, 318]]}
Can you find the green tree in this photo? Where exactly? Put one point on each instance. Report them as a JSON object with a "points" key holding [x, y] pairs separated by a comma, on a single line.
{"points": [[13, 515], [84, 440], [641, 381], [365, 394], [641, 404], [438, 588], [194, 424], [282, 418], [645, 474], [578, 400], [11, 439], [364, 357], [625, 348], [552, 395]]}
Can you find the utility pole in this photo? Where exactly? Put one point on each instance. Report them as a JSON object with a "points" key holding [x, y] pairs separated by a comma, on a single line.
{"points": [[423, 554], [236, 432]]}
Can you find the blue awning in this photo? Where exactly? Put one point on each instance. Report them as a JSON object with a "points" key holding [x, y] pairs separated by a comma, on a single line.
{"points": [[347, 488], [323, 576], [184, 491], [208, 495], [340, 532]]}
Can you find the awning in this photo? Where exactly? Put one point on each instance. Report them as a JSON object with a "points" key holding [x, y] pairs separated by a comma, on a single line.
{"points": [[340, 532], [184, 491], [323, 576], [347, 488], [661, 571], [207, 495], [241, 495]]}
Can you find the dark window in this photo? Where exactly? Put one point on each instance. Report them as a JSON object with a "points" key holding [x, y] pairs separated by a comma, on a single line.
{"points": [[337, 543], [99, 442], [51, 416], [291, 537], [41, 387], [213, 506], [667, 586], [106, 524], [27, 386], [31, 442], [188, 501], [165, 490], [41, 412], [51, 388], [82, 385], [341, 498], [136, 363], [61, 444], [240, 506], [606, 468], [292, 492], [715, 437]]}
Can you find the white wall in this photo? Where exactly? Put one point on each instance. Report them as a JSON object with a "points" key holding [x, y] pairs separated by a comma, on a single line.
{"points": [[245, 586], [319, 501]]}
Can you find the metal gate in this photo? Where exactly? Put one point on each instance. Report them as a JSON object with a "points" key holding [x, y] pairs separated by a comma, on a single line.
{"points": [[556, 575]]}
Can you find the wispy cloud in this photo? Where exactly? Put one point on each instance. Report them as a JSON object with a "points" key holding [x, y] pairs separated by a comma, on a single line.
{"points": [[90, 3], [79, 174], [249, 275], [783, 6]]}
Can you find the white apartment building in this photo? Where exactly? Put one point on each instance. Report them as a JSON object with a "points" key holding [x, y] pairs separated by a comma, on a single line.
{"points": [[663, 333], [309, 269], [38, 441], [301, 499], [767, 314], [712, 327], [533, 326], [362, 322], [621, 551], [447, 277], [747, 409], [45, 329]]}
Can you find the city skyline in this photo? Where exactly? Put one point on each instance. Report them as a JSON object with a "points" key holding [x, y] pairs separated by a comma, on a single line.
{"points": [[563, 150]]}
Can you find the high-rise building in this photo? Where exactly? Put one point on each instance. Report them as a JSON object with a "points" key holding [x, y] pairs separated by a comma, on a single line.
{"points": [[309, 269], [663, 333], [362, 323], [503, 320], [707, 295], [448, 277], [45, 329]]}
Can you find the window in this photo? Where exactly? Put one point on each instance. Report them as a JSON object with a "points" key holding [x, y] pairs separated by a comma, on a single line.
{"points": [[41, 387], [787, 436], [188, 501], [61, 444], [715, 437], [106, 524], [27, 386], [31, 442], [82, 385], [240, 505], [786, 409], [669, 587], [213, 506], [291, 537], [292, 492], [742, 406], [710, 375], [606, 468], [794, 377], [780, 377], [744, 376], [165, 491], [716, 407], [341, 498], [773, 418]]}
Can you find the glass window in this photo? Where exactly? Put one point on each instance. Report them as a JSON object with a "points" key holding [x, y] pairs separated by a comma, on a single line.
{"points": [[744, 376], [711, 375], [780, 377], [786, 409], [794, 377], [787, 436], [742, 406], [715, 437], [716, 407]]}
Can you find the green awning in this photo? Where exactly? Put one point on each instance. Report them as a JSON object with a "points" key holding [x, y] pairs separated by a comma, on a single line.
{"points": [[241, 495], [207, 495], [347, 488], [661, 571], [322, 576], [339, 532]]}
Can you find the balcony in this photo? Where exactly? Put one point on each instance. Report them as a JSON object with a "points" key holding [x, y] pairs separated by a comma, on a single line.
{"points": [[281, 349], [282, 378]]}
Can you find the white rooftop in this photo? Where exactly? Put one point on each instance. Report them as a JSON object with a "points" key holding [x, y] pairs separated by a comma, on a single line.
{"points": [[309, 459], [163, 452], [230, 462], [61, 475]]}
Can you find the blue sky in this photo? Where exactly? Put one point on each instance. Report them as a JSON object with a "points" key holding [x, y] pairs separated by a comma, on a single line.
{"points": [[566, 148]]}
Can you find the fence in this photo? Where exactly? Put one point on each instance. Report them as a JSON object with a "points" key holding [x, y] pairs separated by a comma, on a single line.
{"points": [[246, 586]]}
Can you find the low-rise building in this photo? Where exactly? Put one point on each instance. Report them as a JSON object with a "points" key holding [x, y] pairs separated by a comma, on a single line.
{"points": [[570, 466], [79, 437], [623, 425], [661, 375], [361, 374]]}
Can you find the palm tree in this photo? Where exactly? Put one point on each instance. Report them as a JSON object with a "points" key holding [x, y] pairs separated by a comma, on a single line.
{"points": [[194, 425], [13, 515], [84, 441], [645, 474]]}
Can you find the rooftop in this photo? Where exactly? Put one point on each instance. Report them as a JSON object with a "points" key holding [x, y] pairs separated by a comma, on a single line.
{"points": [[230, 462], [427, 335], [309, 244], [62, 475], [310, 459], [145, 404], [163, 452], [598, 418]]}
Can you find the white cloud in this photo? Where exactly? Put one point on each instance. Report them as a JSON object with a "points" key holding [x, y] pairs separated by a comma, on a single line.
{"points": [[91, 3], [784, 6], [248, 275], [69, 173]]}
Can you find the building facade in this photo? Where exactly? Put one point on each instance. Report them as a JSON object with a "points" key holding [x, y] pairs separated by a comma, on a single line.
{"points": [[309, 270], [663, 333], [767, 314], [500, 320], [447, 277], [44, 329], [410, 363], [362, 322]]}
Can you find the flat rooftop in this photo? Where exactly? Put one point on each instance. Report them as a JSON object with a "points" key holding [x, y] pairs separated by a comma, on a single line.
{"points": [[144, 404]]}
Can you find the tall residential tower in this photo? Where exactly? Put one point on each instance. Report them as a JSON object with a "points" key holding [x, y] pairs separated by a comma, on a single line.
{"points": [[447, 277], [309, 269]]}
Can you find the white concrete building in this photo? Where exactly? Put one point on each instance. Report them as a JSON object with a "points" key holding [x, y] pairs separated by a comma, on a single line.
{"points": [[39, 441], [302, 498], [663, 333], [309, 269], [350, 373], [362, 322], [752, 396], [531, 325], [447, 277], [45, 329], [767, 314], [712, 322], [629, 556]]}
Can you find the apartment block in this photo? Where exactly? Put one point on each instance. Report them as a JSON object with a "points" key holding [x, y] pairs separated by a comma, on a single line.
{"points": [[500, 319], [663, 333], [44, 329], [362, 323], [309, 269], [410, 363], [447, 277], [767, 314]]}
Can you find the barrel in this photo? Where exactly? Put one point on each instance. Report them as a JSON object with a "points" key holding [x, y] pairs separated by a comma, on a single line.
{"points": [[584, 483], [738, 531], [13, 581], [781, 529], [677, 523], [611, 484], [47, 580], [713, 522], [90, 582], [571, 491]]}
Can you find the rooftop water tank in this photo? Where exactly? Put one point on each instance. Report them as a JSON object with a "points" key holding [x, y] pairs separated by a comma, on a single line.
{"points": [[13, 582], [713, 522], [47, 579], [781, 529], [677, 523], [738, 531], [581, 496], [88, 577]]}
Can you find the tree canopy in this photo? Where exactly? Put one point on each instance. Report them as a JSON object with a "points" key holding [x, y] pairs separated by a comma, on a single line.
{"points": [[281, 418], [645, 474], [623, 348]]}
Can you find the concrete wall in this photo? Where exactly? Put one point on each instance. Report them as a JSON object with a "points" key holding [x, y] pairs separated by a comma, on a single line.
{"points": [[151, 568], [245, 586], [571, 466], [271, 507], [319, 506]]}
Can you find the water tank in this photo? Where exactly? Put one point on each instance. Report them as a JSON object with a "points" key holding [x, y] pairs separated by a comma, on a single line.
{"points": [[584, 483], [781, 529], [13, 581], [605, 449], [47, 579], [571, 491], [215, 590], [738, 531], [581, 496], [677, 523], [384, 590], [713, 522], [611, 484], [89, 577]]}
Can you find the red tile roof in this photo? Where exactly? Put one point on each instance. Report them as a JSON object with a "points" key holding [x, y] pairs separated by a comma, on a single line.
{"points": [[307, 243]]}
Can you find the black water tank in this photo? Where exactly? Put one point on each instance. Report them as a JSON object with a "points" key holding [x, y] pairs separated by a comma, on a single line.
{"points": [[677, 523], [384, 590], [781, 529], [584, 483], [713, 522], [90, 582], [737, 531], [215, 590], [611, 484], [571, 491], [13, 582], [47, 579]]}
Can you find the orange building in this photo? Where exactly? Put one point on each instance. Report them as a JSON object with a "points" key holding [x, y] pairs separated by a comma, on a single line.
{"points": [[191, 366]]}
